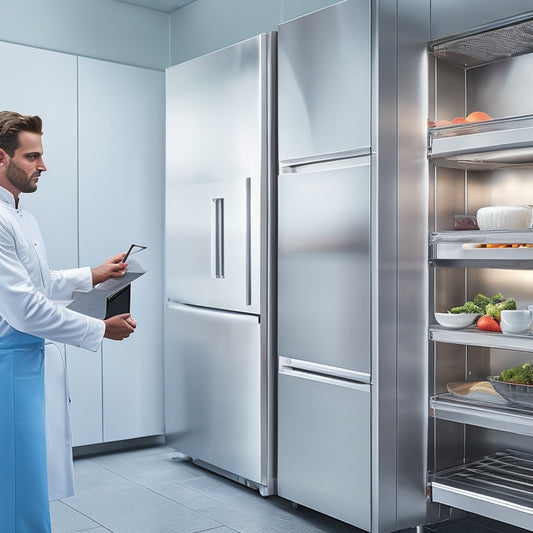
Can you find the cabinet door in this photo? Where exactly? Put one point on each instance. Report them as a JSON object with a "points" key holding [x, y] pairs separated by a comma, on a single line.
{"points": [[324, 445], [39, 82], [324, 82], [121, 174], [84, 370]]}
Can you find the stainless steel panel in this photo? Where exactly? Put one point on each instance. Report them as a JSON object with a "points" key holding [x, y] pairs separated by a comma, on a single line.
{"points": [[324, 445], [324, 266], [209, 257], [219, 128], [454, 16], [324, 81], [501, 89], [214, 397], [214, 113]]}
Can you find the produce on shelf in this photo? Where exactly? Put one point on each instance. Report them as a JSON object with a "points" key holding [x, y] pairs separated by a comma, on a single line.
{"points": [[519, 374], [488, 323], [490, 308], [475, 116]]}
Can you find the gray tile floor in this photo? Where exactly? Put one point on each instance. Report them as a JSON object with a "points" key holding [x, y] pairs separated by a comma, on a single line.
{"points": [[150, 491]]}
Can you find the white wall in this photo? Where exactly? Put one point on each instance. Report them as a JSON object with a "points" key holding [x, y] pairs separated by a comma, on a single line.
{"points": [[102, 29], [207, 25]]}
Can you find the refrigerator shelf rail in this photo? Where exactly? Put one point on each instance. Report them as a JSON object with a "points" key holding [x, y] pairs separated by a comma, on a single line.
{"points": [[488, 43], [492, 144], [498, 486], [479, 249], [491, 413], [473, 336]]}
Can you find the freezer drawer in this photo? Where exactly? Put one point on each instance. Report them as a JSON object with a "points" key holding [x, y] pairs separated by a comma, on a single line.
{"points": [[324, 82], [213, 388], [209, 256], [324, 303], [324, 445]]}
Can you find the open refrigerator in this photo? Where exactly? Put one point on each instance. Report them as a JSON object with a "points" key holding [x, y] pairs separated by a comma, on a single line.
{"points": [[480, 445]]}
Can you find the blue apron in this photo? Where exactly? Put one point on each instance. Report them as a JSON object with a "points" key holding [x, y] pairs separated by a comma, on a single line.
{"points": [[24, 506]]}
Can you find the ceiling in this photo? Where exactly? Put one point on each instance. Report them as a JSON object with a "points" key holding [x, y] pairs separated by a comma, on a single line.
{"points": [[160, 5]]}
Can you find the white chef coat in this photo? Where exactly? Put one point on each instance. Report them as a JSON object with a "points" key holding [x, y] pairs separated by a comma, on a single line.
{"points": [[27, 286]]}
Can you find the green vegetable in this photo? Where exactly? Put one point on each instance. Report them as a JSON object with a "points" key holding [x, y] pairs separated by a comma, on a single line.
{"points": [[467, 307], [518, 374], [481, 301], [494, 309], [483, 305]]}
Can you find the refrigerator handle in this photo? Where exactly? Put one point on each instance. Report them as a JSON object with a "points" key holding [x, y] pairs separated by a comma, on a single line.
{"points": [[217, 237]]}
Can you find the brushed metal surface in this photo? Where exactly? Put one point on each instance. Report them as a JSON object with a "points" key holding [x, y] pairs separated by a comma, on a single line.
{"points": [[324, 81], [213, 395], [324, 266], [218, 133], [324, 445]]}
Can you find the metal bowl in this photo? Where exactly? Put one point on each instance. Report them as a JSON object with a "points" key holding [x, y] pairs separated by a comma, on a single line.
{"points": [[513, 392]]}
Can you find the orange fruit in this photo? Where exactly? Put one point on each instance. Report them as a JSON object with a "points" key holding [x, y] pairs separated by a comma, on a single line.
{"points": [[459, 120], [441, 123], [477, 116]]}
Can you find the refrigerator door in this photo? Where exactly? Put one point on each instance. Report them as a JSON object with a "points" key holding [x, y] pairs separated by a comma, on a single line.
{"points": [[324, 83], [324, 445], [219, 164], [209, 257], [214, 398], [324, 267]]}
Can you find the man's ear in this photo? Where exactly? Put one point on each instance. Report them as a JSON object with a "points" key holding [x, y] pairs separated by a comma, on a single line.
{"points": [[3, 157]]}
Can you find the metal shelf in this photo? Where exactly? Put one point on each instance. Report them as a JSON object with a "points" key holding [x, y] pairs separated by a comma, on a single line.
{"points": [[473, 336], [487, 145], [488, 43], [467, 249], [491, 413], [498, 486]]}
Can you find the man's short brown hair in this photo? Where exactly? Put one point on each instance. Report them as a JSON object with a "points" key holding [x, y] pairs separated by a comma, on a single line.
{"points": [[11, 124]]}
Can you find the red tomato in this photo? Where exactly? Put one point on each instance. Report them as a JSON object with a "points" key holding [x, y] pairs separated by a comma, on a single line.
{"points": [[488, 323]]}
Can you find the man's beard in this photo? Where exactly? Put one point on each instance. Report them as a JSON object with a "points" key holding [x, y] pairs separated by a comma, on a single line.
{"points": [[19, 179]]}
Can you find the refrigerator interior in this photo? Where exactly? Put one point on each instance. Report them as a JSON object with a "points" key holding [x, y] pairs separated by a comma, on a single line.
{"points": [[495, 172]]}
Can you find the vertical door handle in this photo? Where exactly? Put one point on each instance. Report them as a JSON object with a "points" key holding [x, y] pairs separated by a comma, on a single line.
{"points": [[217, 237]]}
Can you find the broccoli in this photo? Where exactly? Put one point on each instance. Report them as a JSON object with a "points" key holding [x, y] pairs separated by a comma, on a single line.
{"points": [[481, 301], [467, 307], [518, 374], [497, 298], [494, 309]]}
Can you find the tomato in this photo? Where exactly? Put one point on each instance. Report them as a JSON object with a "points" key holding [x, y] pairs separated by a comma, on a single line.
{"points": [[487, 323]]}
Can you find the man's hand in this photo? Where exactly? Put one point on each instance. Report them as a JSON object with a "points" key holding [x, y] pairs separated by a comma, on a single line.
{"points": [[110, 268], [119, 327]]}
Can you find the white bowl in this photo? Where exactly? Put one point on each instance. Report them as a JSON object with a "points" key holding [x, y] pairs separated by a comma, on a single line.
{"points": [[504, 217], [456, 320]]}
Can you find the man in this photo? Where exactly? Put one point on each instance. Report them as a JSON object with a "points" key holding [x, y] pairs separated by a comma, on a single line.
{"points": [[27, 316]]}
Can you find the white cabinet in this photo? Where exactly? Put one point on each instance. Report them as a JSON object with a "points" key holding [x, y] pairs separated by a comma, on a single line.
{"points": [[104, 129], [121, 169], [39, 82], [85, 384]]}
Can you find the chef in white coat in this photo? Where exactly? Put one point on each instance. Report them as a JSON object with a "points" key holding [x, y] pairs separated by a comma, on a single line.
{"points": [[28, 316]]}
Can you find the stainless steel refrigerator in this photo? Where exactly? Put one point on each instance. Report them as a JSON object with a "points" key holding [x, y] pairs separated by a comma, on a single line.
{"points": [[351, 255], [219, 255], [324, 261]]}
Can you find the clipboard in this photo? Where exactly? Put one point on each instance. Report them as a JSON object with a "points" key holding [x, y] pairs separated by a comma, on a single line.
{"points": [[111, 297]]}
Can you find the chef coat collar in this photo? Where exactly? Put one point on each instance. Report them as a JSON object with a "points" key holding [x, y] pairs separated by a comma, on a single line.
{"points": [[7, 198]]}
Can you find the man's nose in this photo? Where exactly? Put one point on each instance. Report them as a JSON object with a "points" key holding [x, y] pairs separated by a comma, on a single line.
{"points": [[41, 166]]}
